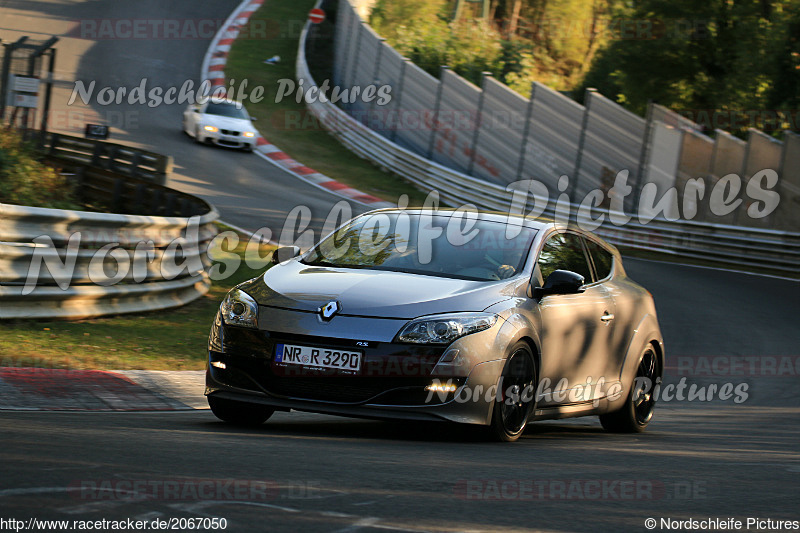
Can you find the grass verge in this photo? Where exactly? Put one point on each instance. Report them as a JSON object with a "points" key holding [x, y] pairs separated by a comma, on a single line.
{"points": [[288, 124], [174, 339]]}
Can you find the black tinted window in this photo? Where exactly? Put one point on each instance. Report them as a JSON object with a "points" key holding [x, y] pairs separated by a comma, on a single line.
{"points": [[564, 252], [419, 244], [602, 259], [225, 109]]}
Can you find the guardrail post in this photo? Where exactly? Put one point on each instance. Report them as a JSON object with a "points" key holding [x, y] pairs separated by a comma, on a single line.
{"points": [[585, 123], [339, 69], [436, 105], [745, 165], [111, 164], [525, 131], [375, 79], [787, 217], [54, 138], [359, 30], [97, 155], [8, 48], [399, 103], [478, 119], [633, 201], [48, 95], [136, 159]]}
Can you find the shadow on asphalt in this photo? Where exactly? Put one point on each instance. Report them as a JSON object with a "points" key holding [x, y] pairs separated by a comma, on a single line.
{"points": [[398, 430]]}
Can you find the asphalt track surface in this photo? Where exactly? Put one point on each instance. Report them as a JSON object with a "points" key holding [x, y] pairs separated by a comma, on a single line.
{"points": [[698, 459]]}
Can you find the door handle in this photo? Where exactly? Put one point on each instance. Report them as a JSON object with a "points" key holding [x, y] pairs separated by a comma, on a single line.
{"points": [[608, 317]]}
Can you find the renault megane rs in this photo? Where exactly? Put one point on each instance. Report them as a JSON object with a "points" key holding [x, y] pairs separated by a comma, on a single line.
{"points": [[477, 318]]}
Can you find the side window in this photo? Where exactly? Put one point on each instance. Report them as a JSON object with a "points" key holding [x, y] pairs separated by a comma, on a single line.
{"points": [[601, 257], [564, 252]]}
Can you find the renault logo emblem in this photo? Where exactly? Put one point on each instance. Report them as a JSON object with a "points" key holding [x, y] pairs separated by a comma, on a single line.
{"points": [[328, 310]]}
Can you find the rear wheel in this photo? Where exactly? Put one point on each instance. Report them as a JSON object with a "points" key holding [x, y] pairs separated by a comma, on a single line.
{"points": [[239, 413], [637, 410], [515, 395]]}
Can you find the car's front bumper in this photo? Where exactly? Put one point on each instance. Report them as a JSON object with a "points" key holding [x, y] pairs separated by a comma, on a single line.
{"points": [[230, 141], [391, 384], [466, 410]]}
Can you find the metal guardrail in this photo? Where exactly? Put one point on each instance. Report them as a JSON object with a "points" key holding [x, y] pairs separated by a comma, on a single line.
{"points": [[124, 160], [729, 245], [74, 264]]}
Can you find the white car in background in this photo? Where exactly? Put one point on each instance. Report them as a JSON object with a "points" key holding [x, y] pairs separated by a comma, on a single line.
{"points": [[225, 123]]}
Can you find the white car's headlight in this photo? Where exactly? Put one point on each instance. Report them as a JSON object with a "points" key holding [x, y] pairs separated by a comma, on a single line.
{"points": [[444, 329], [239, 309], [212, 129], [249, 134]]}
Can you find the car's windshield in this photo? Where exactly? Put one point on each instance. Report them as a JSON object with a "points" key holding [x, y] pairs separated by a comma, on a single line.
{"points": [[225, 109], [438, 245]]}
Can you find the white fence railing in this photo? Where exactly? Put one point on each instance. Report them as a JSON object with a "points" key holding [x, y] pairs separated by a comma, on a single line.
{"points": [[727, 244]]}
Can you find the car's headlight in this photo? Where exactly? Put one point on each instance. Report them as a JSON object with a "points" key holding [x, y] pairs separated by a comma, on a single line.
{"points": [[444, 329], [212, 129], [249, 134], [239, 309]]}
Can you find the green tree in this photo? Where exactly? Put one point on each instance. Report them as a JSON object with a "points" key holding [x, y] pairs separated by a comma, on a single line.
{"points": [[725, 55]]}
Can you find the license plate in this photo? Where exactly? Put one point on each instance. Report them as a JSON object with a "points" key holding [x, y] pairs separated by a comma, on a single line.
{"points": [[318, 357]]}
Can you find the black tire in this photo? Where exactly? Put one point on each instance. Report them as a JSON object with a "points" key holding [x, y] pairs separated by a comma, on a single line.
{"points": [[239, 413], [515, 395], [637, 411]]}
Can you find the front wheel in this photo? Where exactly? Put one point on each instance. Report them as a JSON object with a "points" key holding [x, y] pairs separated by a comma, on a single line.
{"points": [[515, 395], [637, 411], [239, 413]]}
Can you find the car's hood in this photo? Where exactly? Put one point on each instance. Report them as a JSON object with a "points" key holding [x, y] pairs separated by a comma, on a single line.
{"points": [[372, 293], [228, 123]]}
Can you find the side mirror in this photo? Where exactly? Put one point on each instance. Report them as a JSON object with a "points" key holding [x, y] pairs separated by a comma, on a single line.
{"points": [[284, 253], [253, 119], [560, 282]]}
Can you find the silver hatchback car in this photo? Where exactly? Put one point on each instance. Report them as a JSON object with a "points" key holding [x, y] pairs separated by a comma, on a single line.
{"points": [[476, 318]]}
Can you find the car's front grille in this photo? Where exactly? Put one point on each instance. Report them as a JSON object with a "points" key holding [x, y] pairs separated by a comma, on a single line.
{"points": [[401, 371], [352, 390], [229, 132]]}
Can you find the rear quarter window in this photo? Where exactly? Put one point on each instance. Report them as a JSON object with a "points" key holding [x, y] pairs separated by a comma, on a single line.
{"points": [[602, 258]]}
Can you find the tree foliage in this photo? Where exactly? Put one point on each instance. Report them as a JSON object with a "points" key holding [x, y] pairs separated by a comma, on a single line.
{"points": [[736, 58], [730, 56], [550, 41]]}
